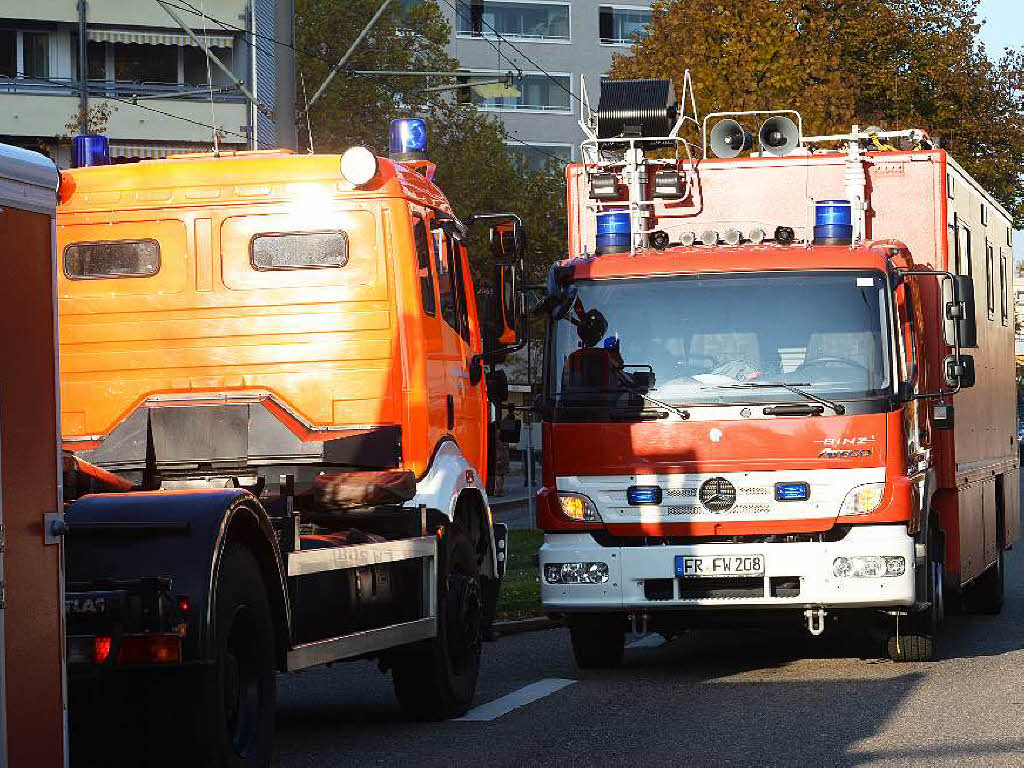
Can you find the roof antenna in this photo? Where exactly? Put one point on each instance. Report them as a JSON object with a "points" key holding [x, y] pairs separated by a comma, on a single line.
{"points": [[209, 82], [309, 129]]}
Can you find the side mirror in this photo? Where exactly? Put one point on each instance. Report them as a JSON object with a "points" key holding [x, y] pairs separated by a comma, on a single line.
{"points": [[959, 310], [961, 373], [942, 416], [508, 240], [510, 429], [497, 387], [506, 304]]}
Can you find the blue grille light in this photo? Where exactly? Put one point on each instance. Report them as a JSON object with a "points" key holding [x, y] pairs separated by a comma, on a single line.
{"points": [[643, 494], [89, 149], [792, 492], [407, 139]]}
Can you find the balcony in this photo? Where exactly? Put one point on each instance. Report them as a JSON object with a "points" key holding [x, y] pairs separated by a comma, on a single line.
{"points": [[530, 22]]}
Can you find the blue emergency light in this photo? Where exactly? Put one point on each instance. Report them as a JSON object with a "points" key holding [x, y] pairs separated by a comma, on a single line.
{"points": [[643, 494], [792, 492], [89, 149], [407, 139]]}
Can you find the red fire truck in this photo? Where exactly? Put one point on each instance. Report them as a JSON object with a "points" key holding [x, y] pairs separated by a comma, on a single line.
{"points": [[753, 360]]}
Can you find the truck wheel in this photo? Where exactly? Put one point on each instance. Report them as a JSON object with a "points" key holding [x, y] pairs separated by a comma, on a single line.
{"points": [[916, 640], [985, 595], [436, 679], [241, 688], [598, 640]]}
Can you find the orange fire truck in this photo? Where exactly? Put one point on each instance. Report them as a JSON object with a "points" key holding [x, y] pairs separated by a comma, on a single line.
{"points": [[753, 360], [276, 418]]}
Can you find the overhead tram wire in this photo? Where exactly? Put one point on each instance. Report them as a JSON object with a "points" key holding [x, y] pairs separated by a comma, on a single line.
{"points": [[514, 47]]}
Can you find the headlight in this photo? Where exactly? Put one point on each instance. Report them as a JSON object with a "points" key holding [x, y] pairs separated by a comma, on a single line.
{"points": [[358, 165], [576, 573], [576, 506], [863, 499], [869, 566]]}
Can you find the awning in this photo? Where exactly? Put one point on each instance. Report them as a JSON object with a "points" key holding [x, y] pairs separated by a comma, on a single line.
{"points": [[147, 37], [152, 151]]}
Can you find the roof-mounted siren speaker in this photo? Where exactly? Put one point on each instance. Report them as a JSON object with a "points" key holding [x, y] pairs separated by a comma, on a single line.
{"points": [[636, 109], [778, 136], [730, 139]]}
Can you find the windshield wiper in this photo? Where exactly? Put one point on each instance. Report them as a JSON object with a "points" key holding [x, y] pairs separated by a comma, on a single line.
{"points": [[839, 408]]}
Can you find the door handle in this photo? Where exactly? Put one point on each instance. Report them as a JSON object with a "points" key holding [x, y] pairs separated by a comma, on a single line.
{"points": [[451, 411]]}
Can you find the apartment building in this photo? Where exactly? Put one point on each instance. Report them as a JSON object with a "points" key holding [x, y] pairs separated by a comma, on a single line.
{"points": [[137, 64], [553, 43]]}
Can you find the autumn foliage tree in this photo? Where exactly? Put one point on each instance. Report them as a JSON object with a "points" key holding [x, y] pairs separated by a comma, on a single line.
{"points": [[473, 166], [843, 62]]}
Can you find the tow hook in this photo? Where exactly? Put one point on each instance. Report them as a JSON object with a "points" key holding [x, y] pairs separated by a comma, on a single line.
{"points": [[815, 620]]}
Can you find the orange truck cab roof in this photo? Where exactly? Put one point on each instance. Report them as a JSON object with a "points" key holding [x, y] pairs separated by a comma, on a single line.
{"points": [[265, 285]]}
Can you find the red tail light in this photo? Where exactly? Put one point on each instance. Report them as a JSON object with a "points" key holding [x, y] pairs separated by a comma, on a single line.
{"points": [[101, 649]]}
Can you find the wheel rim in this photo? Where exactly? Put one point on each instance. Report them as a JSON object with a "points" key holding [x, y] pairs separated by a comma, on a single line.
{"points": [[242, 684], [464, 614]]}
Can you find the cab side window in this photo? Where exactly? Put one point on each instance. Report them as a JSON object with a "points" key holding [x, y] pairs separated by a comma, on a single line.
{"points": [[419, 234], [445, 278], [460, 287]]}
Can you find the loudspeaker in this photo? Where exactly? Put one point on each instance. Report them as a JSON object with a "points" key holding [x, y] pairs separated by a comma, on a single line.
{"points": [[730, 139], [778, 136]]}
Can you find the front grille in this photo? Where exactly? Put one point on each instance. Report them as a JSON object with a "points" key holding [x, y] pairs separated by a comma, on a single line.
{"points": [[658, 589], [722, 588], [784, 586]]}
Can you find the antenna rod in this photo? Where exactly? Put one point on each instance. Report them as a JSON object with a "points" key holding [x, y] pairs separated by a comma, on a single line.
{"points": [[341, 62], [309, 128], [212, 57]]}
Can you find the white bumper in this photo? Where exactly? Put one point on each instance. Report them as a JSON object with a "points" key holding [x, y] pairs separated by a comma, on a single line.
{"points": [[808, 563]]}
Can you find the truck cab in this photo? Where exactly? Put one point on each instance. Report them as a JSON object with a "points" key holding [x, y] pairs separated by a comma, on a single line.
{"points": [[762, 355]]}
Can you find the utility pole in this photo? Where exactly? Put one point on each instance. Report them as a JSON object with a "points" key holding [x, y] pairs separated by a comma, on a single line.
{"points": [[83, 65]]}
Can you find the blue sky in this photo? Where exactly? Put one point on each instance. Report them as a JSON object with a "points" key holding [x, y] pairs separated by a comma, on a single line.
{"points": [[1004, 24]]}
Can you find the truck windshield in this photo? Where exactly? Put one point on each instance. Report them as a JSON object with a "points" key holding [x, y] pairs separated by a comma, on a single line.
{"points": [[719, 339]]}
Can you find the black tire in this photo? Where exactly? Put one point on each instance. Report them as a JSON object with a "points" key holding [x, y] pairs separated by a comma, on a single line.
{"points": [[241, 688], [916, 633], [436, 679], [598, 640], [985, 595]]}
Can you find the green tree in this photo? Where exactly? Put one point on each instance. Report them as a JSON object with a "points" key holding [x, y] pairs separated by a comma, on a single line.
{"points": [[841, 62], [473, 166]]}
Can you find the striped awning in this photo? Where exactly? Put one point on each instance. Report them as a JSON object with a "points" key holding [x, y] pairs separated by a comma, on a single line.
{"points": [[153, 151], [148, 37]]}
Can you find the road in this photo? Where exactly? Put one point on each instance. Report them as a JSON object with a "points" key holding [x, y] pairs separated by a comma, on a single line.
{"points": [[707, 698]]}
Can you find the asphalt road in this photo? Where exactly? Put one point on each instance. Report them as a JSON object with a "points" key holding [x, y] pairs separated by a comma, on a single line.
{"points": [[708, 698]]}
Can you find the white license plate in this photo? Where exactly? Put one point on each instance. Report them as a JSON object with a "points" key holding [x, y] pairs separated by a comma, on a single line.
{"points": [[719, 565]]}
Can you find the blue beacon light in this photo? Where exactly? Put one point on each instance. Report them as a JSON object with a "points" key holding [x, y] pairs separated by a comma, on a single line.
{"points": [[89, 149], [407, 139], [792, 491], [637, 495]]}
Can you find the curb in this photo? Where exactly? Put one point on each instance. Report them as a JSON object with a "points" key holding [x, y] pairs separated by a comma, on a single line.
{"points": [[518, 626], [503, 500]]}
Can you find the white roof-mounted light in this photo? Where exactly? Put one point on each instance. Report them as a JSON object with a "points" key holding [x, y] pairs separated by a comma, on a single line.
{"points": [[358, 166]]}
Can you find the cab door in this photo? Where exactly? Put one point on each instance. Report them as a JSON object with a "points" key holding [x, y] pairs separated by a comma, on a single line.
{"points": [[457, 334]]}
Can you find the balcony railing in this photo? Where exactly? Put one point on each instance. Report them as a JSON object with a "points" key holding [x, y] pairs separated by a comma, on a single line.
{"points": [[119, 89]]}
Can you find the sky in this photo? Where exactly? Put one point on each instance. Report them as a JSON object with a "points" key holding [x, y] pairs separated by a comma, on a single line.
{"points": [[1004, 26]]}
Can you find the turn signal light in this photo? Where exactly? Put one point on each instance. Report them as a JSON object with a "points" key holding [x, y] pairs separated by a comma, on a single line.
{"points": [[576, 506], [100, 649], [150, 649]]}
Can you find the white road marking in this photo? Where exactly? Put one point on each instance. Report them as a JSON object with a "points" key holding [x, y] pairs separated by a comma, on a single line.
{"points": [[525, 695], [647, 641]]}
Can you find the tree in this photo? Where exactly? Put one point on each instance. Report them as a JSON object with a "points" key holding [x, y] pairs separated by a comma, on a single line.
{"points": [[473, 166], [845, 62]]}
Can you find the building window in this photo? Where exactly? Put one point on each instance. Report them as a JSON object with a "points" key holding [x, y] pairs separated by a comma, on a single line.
{"points": [[8, 53], [196, 69], [984, 214], [622, 25], [523, 20], [36, 54], [964, 260], [537, 157], [547, 93], [950, 181], [140, 63]]}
